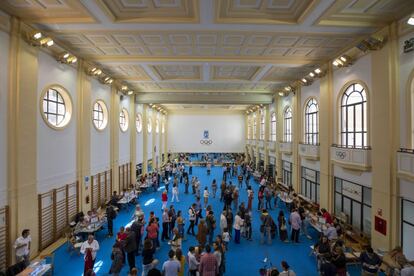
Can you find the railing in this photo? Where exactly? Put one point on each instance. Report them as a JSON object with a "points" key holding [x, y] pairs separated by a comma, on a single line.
{"points": [[351, 147], [309, 151]]}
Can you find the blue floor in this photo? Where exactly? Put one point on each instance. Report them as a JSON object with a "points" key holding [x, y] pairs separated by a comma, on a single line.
{"points": [[241, 259]]}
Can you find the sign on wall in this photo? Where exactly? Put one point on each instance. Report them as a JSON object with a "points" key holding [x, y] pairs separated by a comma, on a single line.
{"points": [[206, 138]]}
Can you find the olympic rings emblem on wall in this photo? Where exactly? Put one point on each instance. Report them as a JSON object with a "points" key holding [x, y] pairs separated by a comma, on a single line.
{"points": [[206, 141], [341, 154]]}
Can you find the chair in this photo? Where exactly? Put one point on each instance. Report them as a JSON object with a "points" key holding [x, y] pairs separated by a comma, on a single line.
{"points": [[50, 259]]}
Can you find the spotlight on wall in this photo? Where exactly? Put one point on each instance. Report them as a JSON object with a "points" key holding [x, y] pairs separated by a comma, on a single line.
{"points": [[281, 94], [67, 58], [124, 88], [94, 71], [410, 20], [342, 61], [305, 81], [311, 74], [371, 44], [38, 39]]}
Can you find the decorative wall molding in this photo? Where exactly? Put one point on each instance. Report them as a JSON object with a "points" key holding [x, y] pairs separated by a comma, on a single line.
{"points": [[405, 165], [352, 158], [308, 151], [285, 147]]}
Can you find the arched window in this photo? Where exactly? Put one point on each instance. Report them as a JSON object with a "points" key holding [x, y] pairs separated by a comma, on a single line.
{"points": [[312, 122], [354, 117], [287, 135], [273, 127], [254, 126], [262, 125], [249, 127]]}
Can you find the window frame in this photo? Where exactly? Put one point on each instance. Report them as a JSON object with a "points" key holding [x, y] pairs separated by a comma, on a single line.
{"points": [[314, 185], [344, 131], [311, 120], [104, 112], [287, 125], [262, 125], [66, 101], [273, 130], [124, 120], [287, 174], [403, 222]]}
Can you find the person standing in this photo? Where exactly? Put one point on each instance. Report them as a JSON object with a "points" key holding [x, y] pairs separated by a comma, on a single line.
{"points": [[190, 168], [191, 217], [238, 223], [186, 183], [295, 221], [268, 197], [240, 179], [22, 247], [211, 226], [208, 263], [117, 260], [181, 259], [206, 195], [223, 222], [236, 198], [89, 248], [214, 188], [164, 199], [110, 216], [282, 226], [173, 217], [165, 225], [192, 262], [202, 233], [266, 227], [250, 195], [130, 247], [208, 168], [222, 190], [148, 261]]}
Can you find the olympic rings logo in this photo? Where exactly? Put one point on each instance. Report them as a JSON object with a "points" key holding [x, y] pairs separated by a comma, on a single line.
{"points": [[206, 141], [341, 154]]}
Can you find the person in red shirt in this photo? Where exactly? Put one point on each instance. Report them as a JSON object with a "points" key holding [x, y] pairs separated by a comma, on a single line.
{"points": [[164, 199], [326, 216], [152, 231]]}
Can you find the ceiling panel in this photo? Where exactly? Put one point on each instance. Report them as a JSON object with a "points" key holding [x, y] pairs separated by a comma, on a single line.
{"points": [[151, 11], [232, 72], [263, 11], [177, 72], [50, 11], [359, 13]]}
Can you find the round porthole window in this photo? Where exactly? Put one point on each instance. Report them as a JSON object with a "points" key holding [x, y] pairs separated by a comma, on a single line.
{"points": [[138, 122], [56, 107], [149, 125], [100, 115], [123, 120]]}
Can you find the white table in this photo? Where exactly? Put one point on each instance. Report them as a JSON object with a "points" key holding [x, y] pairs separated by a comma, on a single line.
{"points": [[36, 269], [127, 199], [90, 229]]}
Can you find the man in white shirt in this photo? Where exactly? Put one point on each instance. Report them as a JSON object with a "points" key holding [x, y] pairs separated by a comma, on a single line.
{"points": [[192, 262], [92, 245], [22, 247]]}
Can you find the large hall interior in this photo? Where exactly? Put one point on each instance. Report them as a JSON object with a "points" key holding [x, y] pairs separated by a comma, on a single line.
{"points": [[207, 137]]}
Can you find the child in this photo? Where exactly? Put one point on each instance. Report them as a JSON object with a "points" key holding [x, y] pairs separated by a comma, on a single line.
{"points": [[226, 237], [206, 194], [164, 199]]}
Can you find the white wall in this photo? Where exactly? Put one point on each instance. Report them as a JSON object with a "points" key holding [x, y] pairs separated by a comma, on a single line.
{"points": [[139, 139], [4, 54], [100, 140], [406, 61], [56, 149], [185, 131], [149, 136], [124, 137]]}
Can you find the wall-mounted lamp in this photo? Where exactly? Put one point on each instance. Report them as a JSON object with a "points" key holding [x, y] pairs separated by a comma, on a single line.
{"points": [[342, 61], [38, 39], [67, 58]]}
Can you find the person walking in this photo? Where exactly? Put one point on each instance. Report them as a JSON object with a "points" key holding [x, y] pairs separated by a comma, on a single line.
{"points": [[250, 195], [22, 247], [173, 217], [223, 222]]}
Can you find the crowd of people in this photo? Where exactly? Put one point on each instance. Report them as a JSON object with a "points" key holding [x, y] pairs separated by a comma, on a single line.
{"points": [[214, 232]]}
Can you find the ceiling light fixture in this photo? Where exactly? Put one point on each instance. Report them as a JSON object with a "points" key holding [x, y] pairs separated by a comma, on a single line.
{"points": [[37, 35], [124, 87], [342, 61], [130, 92], [311, 74], [317, 71]]}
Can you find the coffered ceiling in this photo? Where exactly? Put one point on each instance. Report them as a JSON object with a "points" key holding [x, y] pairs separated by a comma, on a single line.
{"points": [[207, 47]]}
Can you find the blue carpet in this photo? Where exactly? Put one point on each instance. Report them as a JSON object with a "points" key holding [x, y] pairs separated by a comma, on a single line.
{"points": [[241, 259]]}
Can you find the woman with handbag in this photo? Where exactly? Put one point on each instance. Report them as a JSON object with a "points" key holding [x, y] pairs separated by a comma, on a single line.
{"points": [[283, 234]]}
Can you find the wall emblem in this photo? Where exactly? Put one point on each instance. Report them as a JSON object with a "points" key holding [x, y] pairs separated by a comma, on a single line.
{"points": [[206, 138]]}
